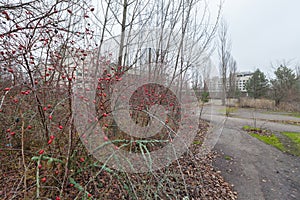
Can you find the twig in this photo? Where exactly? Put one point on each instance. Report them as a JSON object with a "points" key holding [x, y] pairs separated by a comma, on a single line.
{"points": [[38, 178], [23, 155], [2, 100], [67, 159]]}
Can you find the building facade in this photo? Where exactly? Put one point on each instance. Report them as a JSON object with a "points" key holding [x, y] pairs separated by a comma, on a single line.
{"points": [[241, 80], [215, 84]]}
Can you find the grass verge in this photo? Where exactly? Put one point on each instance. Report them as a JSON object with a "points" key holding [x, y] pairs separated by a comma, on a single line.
{"points": [[295, 115], [292, 114], [271, 140], [265, 136], [288, 142], [228, 110], [295, 138]]}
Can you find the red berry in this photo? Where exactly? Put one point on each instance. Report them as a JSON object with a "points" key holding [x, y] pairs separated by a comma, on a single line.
{"points": [[44, 179], [50, 141], [29, 127], [13, 133], [105, 138], [52, 137], [41, 151], [57, 198], [8, 130], [89, 195], [6, 89], [105, 114], [50, 117], [39, 166], [81, 159], [44, 108], [60, 127]]}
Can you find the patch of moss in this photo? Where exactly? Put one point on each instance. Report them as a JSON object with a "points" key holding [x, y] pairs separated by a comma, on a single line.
{"points": [[295, 137], [227, 157], [197, 142], [271, 140]]}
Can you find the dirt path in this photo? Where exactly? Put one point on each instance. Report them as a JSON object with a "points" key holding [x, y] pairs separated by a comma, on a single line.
{"points": [[257, 171]]}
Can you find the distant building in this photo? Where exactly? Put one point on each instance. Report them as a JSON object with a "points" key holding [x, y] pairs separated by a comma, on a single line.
{"points": [[215, 84], [241, 80]]}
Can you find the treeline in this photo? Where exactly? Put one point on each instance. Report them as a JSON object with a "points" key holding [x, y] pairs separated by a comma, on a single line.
{"points": [[284, 87]]}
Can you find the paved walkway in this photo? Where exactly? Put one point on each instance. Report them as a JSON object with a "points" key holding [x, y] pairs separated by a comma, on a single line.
{"points": [[257, 171]]}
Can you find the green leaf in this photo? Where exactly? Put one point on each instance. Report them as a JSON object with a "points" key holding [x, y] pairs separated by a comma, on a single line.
{"points": [[76, 185], [49, 161], [35, 158]]}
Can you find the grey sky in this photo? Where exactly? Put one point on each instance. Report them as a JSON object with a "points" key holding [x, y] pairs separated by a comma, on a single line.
{"points": [[263, 32]]}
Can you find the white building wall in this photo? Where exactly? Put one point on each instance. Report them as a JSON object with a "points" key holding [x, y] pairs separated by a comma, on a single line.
{"points": [[242, 79]]}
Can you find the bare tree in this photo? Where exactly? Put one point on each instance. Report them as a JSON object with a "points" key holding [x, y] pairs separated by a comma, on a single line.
{"points": [[232, 78], [224, 56]]}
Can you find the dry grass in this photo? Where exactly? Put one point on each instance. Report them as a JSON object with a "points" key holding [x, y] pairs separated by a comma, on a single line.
{"points": [[289, 106], [232, 102], [257, 103], [269, 105]]}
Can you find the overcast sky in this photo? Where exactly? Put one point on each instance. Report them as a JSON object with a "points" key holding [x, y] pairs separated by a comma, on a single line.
{"points": [[263, 32]]}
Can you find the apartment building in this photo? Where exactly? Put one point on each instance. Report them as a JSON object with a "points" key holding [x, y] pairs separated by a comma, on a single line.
{"points": [[215, 84], [241, 80]]}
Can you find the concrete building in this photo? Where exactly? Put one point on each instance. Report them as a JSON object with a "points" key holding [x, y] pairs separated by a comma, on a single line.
{"points": [[241, 80], [215, 84]]}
